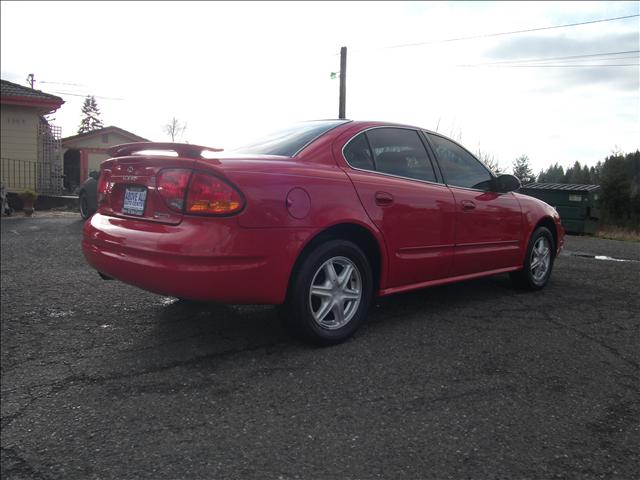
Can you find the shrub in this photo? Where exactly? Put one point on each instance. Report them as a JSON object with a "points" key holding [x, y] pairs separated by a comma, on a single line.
{"points": [[28, 195]]}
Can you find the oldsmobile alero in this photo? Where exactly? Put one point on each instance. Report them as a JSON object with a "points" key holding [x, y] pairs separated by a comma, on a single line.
{"points": [[318, 218]]}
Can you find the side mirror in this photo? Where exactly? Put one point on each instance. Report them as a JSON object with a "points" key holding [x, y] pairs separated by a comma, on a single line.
{"points": [[507, 183], [95, 175]]}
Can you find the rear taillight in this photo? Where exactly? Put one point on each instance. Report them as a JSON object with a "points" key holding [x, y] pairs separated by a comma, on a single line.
{"points": [[104, 186], [210, 195], [172, 186]]}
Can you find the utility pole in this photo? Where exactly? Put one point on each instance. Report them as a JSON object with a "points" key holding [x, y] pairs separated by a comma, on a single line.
{"points": [[343, 82], [31, 79]]}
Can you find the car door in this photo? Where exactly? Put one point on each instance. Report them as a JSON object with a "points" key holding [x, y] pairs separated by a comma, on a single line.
{"points": [[488, 224], [397, 185]]}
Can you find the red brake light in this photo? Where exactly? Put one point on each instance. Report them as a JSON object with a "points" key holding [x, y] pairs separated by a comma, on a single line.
{"points": [[104, 186], [211, 195], [172, 185]]}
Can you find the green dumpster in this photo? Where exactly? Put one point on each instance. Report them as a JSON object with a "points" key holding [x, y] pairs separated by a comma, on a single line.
{"points": [[576, 204]]}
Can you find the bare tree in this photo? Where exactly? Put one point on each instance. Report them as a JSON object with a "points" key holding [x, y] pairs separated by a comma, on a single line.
{"points": [[456, 132], [175, 129], [490, 161]]}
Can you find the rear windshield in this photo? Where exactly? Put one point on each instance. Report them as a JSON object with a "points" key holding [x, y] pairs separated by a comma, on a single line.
{"points": [[289, 140]]}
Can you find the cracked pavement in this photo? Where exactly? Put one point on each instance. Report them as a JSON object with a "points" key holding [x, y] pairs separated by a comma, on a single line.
{"points": [[474, 380]]}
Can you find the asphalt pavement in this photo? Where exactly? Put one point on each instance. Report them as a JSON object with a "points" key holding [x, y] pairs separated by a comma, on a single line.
{"points": [[474, 380]]}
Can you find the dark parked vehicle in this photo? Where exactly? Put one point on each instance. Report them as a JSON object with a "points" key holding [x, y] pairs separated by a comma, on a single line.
{"points": [[88, 196]]}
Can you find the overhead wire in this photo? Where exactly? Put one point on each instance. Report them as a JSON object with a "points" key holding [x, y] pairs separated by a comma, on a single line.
{"points": [[87, 95], [555, 66], [614, 56], [497, 34], [62, 83]]}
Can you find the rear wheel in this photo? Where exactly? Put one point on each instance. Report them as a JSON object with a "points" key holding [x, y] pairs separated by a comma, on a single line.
{"points": [[330, 293], [538, 261], [85, 212]]}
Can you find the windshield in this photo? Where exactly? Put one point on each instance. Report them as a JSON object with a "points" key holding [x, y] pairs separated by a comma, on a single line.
{"points": [[289, 140]]}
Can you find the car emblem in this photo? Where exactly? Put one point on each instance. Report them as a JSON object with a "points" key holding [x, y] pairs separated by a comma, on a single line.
{"points": [[130, 170]]}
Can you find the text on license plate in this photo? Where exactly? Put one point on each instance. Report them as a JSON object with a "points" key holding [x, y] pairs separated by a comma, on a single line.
{"points": [[134, 199]]}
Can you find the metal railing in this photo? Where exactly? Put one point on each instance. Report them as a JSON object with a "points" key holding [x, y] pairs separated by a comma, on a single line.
{"points": [[18, 175], [43, 173]]}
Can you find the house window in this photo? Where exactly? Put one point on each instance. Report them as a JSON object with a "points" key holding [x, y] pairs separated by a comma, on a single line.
{"points": [[105, 138]]}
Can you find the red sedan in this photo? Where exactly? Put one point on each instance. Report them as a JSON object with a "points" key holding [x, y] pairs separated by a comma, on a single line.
{"points": [[318, 217]]}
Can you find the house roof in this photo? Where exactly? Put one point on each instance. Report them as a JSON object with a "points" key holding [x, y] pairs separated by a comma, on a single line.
{"points": [[14, 94], [567, 187], [102, 131]]}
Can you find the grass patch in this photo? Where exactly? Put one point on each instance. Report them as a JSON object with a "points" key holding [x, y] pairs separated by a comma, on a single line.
{"points": [[619, 233]]}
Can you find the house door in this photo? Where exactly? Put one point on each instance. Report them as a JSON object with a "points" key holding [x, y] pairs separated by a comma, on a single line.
{"points": [[71, 170]]}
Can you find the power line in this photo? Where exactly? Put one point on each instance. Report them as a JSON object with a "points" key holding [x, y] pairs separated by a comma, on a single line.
{"points": [[64, 83], [554, 66], [80, 95], [489, 35], [578, 60], [560, 58]]}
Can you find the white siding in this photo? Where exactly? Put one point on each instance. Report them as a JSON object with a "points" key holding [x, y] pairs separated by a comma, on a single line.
{"points": [[19, 133], [94, 160], [96, 141], [18, 147]]}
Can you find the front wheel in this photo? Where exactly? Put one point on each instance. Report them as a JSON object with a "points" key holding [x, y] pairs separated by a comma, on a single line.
{"points": [[330, 293], [538, 261]]}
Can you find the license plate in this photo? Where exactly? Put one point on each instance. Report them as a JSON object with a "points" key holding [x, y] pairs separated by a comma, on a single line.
{"points": [[134, 199]]}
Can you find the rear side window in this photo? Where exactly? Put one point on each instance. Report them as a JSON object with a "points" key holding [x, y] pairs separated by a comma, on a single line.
{"points": [[289, 140], [399, 151], [358, 154], [458, 166]]}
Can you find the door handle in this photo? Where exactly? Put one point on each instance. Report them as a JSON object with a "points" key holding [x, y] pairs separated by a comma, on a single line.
{"points": [[467, 205], [383, 199]]}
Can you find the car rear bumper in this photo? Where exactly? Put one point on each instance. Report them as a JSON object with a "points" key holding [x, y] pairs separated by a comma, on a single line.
{"points": [[200, 259]]}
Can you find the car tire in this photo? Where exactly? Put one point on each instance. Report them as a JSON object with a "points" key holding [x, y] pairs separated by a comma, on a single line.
{"points": [[329, 294], [85, 211], [538, 262]]}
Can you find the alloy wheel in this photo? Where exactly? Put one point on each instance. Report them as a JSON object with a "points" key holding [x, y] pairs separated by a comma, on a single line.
{"points": [[540, 259], [335, 293]]}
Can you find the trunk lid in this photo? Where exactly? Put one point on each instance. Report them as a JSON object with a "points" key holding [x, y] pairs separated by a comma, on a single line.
{"points": [[132, 190], [128, 182], [131, 181]]}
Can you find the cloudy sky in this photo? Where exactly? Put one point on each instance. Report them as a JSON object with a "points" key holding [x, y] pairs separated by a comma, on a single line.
{"points": [[231, 70]]}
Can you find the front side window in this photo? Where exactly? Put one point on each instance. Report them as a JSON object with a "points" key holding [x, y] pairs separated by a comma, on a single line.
{"points": [[459, 167], [399, 151]]}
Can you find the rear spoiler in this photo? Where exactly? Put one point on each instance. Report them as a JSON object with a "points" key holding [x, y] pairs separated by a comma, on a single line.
{"points": [[182, 149]]}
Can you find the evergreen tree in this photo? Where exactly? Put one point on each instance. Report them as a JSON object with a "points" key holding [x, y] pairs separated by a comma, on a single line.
{"points": [[90, 116], [620, 181], [574, 173], [522, 170], [595, 173], [585, 176], [616, 186], [553, 174]]}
